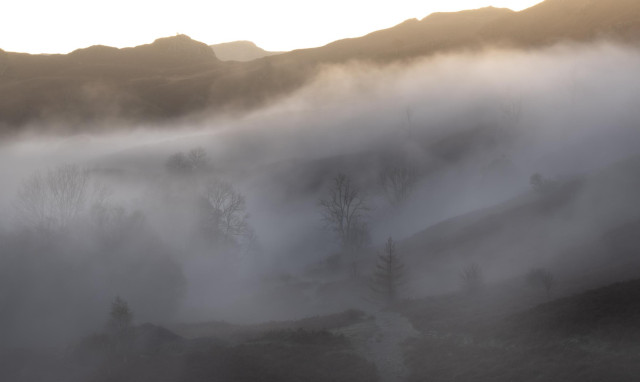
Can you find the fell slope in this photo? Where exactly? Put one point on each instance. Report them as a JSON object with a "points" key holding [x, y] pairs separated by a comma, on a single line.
{"points": [[590, 336], [177, 77]]}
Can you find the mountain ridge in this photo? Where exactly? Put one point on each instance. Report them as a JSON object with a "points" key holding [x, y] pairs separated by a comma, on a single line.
{"points": [[175, 77], [167, 51]]}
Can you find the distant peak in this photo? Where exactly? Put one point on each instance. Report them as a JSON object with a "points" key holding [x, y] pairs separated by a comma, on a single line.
{"points": [[237, 43], [178, 41], [165, 51], [181, 47], [241, 50], [180, 38]]}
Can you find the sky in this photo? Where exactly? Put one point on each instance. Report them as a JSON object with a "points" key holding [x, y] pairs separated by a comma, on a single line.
{"points": [[61, 26]]}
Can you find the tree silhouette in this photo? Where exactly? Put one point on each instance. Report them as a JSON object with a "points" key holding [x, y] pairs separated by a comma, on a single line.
{"points": [[198, 159], [53, 199], [120, 316], [178, 164], [193, 161], [223, 212], [120, 331], [389, 275], [541, 278], [398, 183], [472, 278], [344, 212]]}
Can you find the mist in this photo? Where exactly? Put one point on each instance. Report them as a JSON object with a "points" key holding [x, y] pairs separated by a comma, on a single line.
{"points": [[472, 128]]}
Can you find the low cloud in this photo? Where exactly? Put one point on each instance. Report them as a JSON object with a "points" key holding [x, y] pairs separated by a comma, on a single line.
{"points": [[473, 128]]}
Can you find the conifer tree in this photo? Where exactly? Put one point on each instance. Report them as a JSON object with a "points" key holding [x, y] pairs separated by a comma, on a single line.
{"points": [[389, 275]]}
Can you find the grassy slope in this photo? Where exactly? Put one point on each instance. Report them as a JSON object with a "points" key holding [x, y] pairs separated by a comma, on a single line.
{"points": [[583, 229], [156, 354], [591, 336]]}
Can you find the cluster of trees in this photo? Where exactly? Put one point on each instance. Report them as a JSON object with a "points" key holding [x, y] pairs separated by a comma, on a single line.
{"points": [[67, 200], [75, 241], [195, 160], [222, 214], [58, 198], [71, 222], [54, 199], [345, 212]]}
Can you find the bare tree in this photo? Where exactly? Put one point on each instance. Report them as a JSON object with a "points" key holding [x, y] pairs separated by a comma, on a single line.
{"points": [[344, 211], [198, 159], [224, 211], [389, 275], [541, 278], [178, 164], [398, 183], [194, 160], [472, 278], [52, 200]]}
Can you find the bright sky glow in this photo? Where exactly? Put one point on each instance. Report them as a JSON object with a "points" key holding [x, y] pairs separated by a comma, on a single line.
{"points": [[60, 26]]}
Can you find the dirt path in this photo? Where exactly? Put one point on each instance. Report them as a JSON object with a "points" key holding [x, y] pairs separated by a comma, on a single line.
{"points": [[379, 340]]}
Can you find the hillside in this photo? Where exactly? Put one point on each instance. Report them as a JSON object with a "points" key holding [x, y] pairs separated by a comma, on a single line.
{"points": [[149, 81], [153, 353], [590, 336], [176, 76], [581, 228], [573, 20]]}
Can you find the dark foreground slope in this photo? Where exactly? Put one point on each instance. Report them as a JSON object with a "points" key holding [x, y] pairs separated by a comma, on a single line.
{"points": [[176, 76], [592, 336], [151, 353]]}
